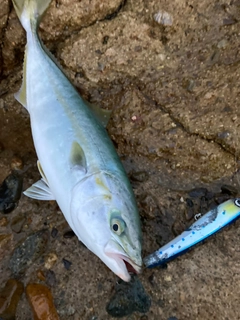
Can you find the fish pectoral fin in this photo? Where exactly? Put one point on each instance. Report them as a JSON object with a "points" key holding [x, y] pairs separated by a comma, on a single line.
{"points": [[102, 115], [39, 191], [77, 157], [40, 169]]}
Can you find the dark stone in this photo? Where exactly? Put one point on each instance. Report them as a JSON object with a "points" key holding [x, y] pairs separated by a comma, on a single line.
{"points": [[69, 234], [198, 192], [128, 298], [10, 192], [51, 280], [28, 251], [54, 232], [189, 202], [67, 264], [139, 176], [105, 39]]}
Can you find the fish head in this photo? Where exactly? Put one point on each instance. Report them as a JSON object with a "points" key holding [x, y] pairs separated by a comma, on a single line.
{"points": [[106, 220]]}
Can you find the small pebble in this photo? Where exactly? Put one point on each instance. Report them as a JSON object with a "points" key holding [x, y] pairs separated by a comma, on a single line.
{"points": [[139, 176], [17, 223], [3, 222], [16, 163], [41, 275], [163, 17], [54, 232], [10, 192], [67, 264], [41, 302], [50, 260], [9, 298], [69, 234]]}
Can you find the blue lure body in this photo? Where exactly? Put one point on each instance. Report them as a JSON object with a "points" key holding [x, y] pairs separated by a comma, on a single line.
{"points": [[204, 227]]}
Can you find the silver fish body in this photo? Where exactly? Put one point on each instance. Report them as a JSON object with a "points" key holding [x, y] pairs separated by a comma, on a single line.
{"points": [[79, 166]]}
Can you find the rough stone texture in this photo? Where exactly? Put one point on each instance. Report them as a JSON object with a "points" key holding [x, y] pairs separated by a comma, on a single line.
{"points": [[174, 92]]}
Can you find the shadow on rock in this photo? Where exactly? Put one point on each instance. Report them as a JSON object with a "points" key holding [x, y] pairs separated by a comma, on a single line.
{"points": [[129, 297]]}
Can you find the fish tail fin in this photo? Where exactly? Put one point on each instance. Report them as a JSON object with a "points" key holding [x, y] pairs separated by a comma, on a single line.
{"points": [[30, 12]]}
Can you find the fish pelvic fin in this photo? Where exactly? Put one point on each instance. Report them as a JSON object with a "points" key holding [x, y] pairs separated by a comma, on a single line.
{"points": [[39, 191], [30, 12]]}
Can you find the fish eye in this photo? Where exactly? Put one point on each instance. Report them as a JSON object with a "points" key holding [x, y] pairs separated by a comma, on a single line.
{"points": [[118, 226], [237, 202]]}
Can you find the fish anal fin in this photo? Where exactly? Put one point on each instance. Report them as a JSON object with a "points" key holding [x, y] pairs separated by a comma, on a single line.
{"points": [[102, 115], [77, 157]]}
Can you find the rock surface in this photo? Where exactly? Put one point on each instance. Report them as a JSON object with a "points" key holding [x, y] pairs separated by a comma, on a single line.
{"points": [[174, 95]]}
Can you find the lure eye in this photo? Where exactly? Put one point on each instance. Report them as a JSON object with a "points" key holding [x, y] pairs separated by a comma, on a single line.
{"points": [[118, 226], [237, 202]]}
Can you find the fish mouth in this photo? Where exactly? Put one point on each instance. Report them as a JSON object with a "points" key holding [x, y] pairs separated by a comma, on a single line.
{"points": [[126, 265]]}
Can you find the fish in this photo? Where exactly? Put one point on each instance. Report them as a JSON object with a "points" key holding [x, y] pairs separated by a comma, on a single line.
{"points": [[204, 227], [78, 163]]}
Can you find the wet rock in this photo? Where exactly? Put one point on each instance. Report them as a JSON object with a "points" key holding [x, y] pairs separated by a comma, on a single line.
{"points": [[230, 190], [28, 251], [50, 260], [54, 233], [9, 298], [172, 318], [139, 176], [69, 234], [10, 192], [41, 301], [67, 264], [129, 297], [17, 223]]}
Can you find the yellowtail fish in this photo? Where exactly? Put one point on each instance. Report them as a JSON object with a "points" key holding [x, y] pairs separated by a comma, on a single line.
{"points": [[204, 227], [79, 166]]}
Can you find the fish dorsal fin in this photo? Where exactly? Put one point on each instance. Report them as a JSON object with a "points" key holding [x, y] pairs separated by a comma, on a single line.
{"points": [[21, 95], [102, 115], [42, 173], [77, 157], [39, 191]]}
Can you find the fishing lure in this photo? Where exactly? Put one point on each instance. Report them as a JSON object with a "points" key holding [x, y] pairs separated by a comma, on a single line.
{"points": [[204, 227]]}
